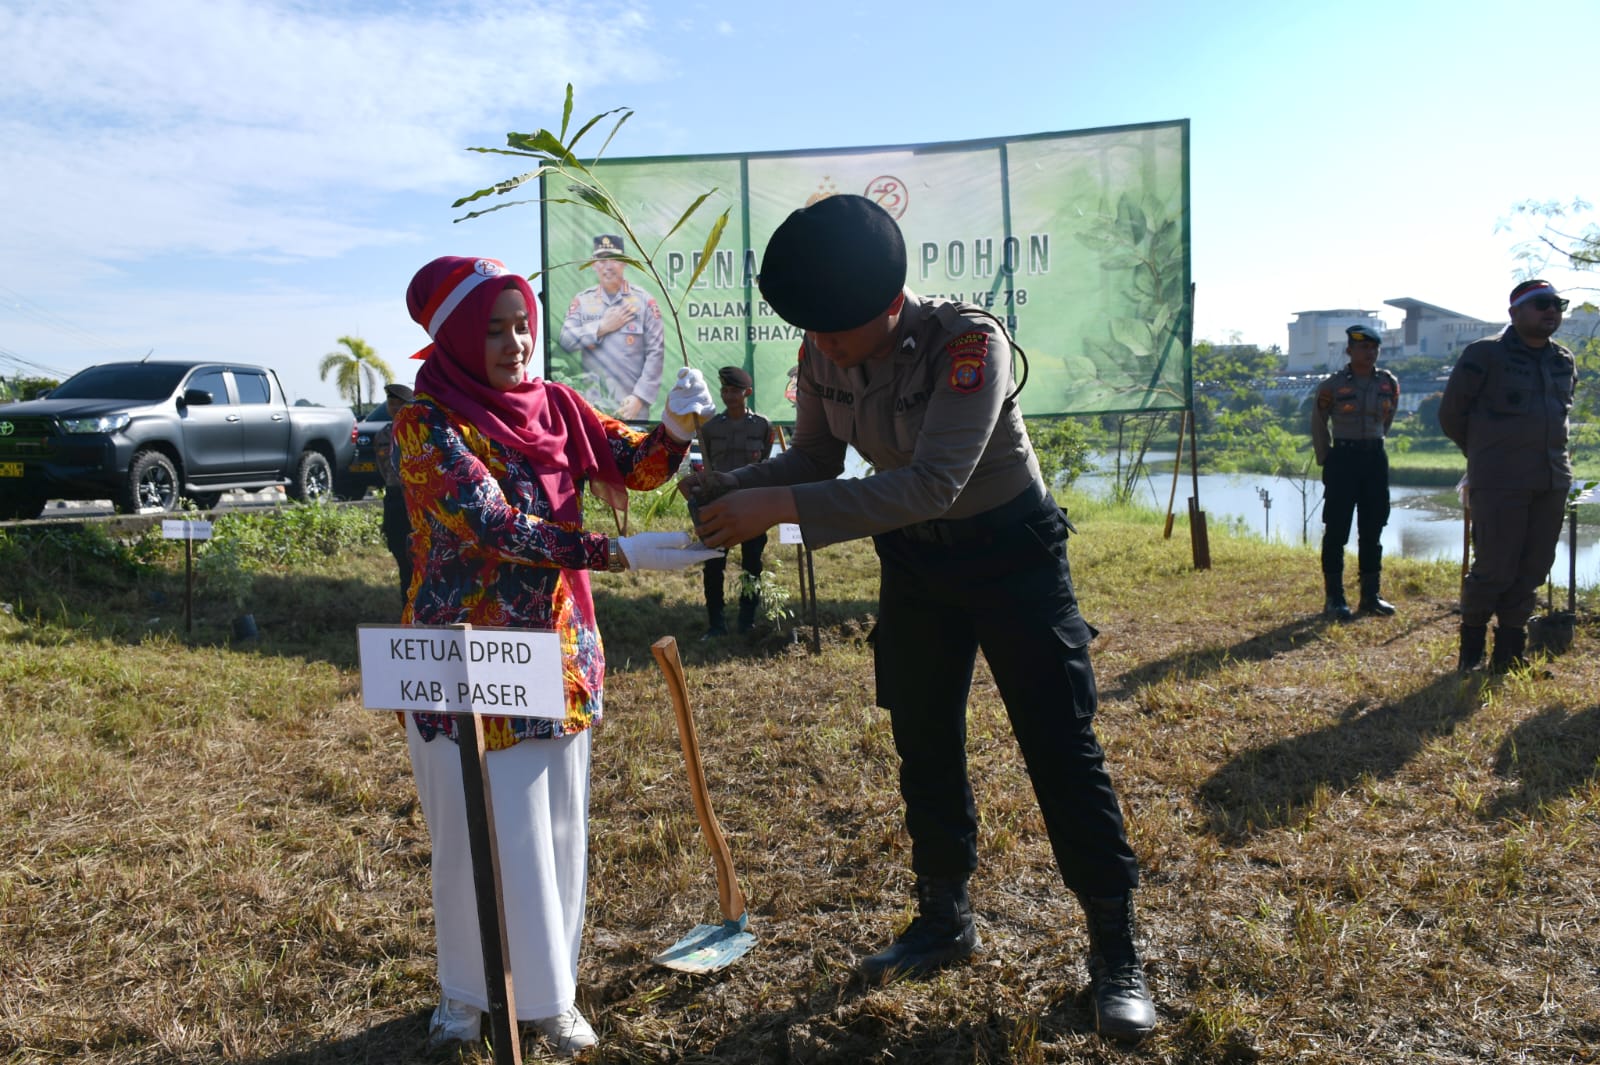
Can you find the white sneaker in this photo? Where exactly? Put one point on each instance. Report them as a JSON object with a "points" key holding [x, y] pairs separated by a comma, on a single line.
{"points": [[569, 1032], [454, 1022]]}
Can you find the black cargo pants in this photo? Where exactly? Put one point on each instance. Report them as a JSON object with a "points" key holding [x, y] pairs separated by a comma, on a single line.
{"points": [[998, 581]]}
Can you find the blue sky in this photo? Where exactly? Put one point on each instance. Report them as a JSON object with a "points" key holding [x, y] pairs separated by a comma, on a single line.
{"points": [[252, 180]]}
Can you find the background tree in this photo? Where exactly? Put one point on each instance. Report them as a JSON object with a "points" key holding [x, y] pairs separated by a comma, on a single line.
{"points": [[1567, 236], [354, 367], [1062, 448], [1234, 374], [20, 388]]}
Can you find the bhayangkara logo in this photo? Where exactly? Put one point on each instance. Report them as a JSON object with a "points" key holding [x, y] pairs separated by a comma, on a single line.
{"points": [[890, 193]]}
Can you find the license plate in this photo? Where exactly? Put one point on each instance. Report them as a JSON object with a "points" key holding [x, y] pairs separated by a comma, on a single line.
{"points": [[10, 469], [363, 467]]}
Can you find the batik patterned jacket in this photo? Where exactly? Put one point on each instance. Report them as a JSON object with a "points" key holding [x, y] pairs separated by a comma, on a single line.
{"points": [[486, 551]]}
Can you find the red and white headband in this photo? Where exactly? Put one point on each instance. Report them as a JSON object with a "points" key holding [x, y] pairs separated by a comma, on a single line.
{"points": [[456, 287]]}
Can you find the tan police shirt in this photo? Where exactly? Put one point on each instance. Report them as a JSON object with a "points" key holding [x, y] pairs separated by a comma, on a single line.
{"points": [[931, 418], [734, 442], [1358, 408]]}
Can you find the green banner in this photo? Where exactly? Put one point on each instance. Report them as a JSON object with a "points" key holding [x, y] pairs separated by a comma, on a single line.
{"points": [[1078, 241]]}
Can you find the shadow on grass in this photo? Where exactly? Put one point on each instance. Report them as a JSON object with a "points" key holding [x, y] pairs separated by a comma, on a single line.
{"points": [[1551, 755], [1187, 665], [1277, 785], [851, 1023], [402, 1041], [1193, 663]]}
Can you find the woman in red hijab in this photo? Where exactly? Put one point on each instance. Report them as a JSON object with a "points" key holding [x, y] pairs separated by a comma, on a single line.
{"points": [[493, 465]]}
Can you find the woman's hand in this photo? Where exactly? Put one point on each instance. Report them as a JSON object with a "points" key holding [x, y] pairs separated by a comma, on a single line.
{"points": [[689, 405], [663, 550]]}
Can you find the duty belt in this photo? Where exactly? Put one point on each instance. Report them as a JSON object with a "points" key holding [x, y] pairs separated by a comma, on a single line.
{"points": [[953, 531], [1360, 445]]}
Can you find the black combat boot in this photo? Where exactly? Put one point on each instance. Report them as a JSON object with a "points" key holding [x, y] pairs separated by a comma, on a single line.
{"points": [[1371, 601], [1334, 606], [1122, 1007], [1509, 644], [716, 627], [1473, 638], [747, 612], [942, 933]]}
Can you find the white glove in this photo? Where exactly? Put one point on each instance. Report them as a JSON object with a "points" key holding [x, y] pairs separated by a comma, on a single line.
{"points": [[688, 405], [663, 550]]}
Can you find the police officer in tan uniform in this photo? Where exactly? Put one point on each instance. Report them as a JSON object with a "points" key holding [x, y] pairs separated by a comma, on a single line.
{"points": [[736, 437], [973, 554], [617, 327], [1352, 414], [1506, 407]]}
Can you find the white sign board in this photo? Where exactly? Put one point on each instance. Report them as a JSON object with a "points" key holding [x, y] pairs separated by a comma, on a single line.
{"points": [[445, 669], [185, 530], [789, 533]]}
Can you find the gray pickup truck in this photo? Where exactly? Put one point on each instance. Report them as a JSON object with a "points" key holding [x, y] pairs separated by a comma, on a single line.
{"points": [[147, 434]]}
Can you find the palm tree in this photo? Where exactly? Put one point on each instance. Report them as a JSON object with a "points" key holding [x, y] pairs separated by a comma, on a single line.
{"points": [[358, 364]]}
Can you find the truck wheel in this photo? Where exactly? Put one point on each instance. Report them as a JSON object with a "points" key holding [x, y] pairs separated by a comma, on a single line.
{"points": [[20, 508], [152, 484], [313, 478]]}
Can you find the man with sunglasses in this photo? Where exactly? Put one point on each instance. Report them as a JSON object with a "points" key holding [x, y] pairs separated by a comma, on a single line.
{"points": [[1506, 406]]}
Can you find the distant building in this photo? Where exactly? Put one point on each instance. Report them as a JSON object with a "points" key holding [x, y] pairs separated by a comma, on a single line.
{"points": [[1433, 332], [1316, 338], [1579, 326]]}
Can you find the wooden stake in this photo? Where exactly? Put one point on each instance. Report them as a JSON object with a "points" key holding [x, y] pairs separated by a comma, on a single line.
{"points": [[1177, 467], [487, 890]]}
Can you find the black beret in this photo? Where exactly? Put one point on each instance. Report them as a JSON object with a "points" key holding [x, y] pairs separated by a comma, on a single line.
{"points": [[834, 265], [401, 392], [732, 375], [1363, 332]]}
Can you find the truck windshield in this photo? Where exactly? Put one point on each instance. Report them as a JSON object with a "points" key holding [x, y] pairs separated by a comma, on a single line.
{"points": [[147, 381]]}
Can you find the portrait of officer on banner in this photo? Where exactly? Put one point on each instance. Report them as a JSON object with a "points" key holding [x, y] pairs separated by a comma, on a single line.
{"points": [[615, 328]]}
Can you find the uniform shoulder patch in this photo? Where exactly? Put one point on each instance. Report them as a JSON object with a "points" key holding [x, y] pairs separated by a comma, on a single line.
{"points": [[969, 353], [1324, 399]]}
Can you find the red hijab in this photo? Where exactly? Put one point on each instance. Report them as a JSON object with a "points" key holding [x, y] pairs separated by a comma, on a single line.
{"points": [[452, 298]]}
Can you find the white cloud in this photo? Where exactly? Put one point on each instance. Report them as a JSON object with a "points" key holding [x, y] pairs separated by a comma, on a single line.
{"points": [[229, 127]]}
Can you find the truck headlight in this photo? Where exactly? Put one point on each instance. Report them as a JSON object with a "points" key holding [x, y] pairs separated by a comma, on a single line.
{"points": [[106, 423]]}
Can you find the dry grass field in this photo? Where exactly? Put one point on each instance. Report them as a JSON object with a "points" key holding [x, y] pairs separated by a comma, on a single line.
{"points": [[210, 853]]}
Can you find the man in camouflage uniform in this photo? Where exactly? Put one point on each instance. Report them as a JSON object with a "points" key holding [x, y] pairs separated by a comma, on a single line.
{"points": [[736, 437], [1352, 413], [617, 327], [1506, 406], [973, 555]]}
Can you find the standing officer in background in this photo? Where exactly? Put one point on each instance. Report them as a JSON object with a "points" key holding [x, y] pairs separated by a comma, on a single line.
{"points": [[972, 550], [736, 437], [396, 522], [617, 327], [1506, 406], [1360, 401]]}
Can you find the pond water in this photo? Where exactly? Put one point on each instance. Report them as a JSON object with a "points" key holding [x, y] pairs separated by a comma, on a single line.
{"points": [[1420, 526]]}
